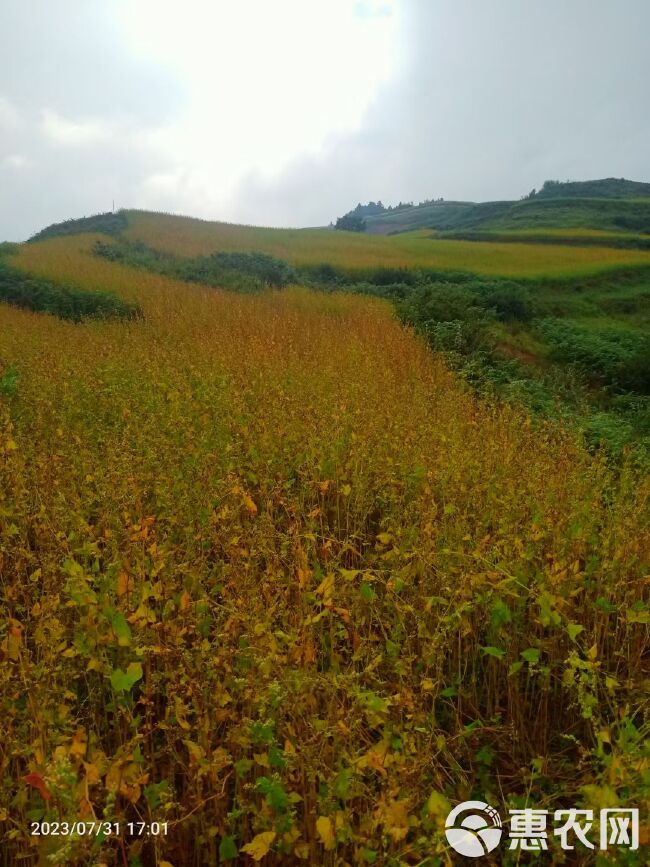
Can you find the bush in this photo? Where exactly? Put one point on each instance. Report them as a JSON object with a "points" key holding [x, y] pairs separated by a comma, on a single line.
{"points": [[31, 293], [268, 269], [351, 223], [241, 272], [9, 381], [443, 302], [510, 301], [7, 248], [620, 358], [634, 374], [108, 224]]}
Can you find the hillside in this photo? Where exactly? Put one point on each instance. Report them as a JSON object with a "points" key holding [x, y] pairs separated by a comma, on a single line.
{"points": [[614, 188], [357, 251], [280, 580], [611, 204], [557, 322]]}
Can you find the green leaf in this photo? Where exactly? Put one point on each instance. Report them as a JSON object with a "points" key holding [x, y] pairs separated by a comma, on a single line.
{"points": [[153, 793], [493, 651], [342, 784], [121, 629], [605, 605], [367, 592], [500, 613], [123, 681], [531, 655], [274, 792], [227, 849], [449, 692], [276, 757], [242, 767], [636, 615], [574, 630]]}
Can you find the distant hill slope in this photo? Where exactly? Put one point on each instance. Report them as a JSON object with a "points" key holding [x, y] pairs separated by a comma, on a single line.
{"points": [[606, 188], [611, 204]]}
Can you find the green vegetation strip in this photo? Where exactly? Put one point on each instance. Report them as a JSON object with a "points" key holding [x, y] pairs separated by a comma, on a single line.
{"points": [[33, 293], [620, 241], [240, 272]]}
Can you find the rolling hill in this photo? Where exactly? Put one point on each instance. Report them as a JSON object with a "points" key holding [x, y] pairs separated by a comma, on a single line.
{"points": [[282, 583], [610, 204]]}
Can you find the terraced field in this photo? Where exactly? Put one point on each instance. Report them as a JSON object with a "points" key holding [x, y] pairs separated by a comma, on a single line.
{"points": [[190, 237]]}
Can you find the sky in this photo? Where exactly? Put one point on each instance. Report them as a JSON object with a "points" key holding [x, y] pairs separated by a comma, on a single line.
{"points": [[288, 113]]}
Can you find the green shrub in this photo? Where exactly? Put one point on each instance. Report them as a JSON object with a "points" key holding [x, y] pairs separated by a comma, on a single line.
{"points": [[241, 272], [38, 295], [7, 248], [620, 358], [108, 224], [9, 381], [510, 301]]}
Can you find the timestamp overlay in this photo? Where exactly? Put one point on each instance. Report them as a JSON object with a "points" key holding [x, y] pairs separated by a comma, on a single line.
{"points": [[96, 828]]}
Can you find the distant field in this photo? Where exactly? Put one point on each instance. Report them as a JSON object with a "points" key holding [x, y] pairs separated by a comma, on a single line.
{"points": [[570, 233], [191, 237]]}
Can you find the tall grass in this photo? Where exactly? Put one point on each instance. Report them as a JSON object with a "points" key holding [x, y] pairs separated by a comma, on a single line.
{"points": [[267, 569]]}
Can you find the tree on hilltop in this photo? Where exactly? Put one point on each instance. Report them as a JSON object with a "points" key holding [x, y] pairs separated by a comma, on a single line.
{"points": [[351, 223]]}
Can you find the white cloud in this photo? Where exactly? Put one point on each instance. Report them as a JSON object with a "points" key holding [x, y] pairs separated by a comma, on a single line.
{"points": [[264, 83], [76, 133], [9, 117], [16, 161]]}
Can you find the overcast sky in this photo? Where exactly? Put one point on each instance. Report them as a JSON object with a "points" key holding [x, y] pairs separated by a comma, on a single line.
{"points": [[290, 112]]}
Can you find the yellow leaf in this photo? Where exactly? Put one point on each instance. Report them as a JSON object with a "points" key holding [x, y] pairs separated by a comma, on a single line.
{"points": [[326, 832], [326, 587], [92, 773], [123, 584], [180, 711], [259, 845], [438, 805], [592, 653], [195, 751], [185, 600], [396, 819], [78, 745]]}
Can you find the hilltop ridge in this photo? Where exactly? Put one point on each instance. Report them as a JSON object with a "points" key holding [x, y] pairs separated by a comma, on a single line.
{"points": [[608, 204]]}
